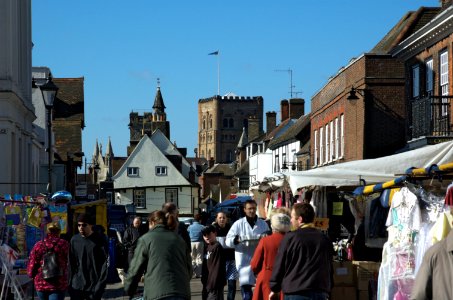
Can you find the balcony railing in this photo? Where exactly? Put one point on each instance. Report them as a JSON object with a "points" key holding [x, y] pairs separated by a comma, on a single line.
{"points": [[431, 116]]}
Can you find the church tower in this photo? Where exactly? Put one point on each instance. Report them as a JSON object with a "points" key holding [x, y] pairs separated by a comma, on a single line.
{"points": [[139, 125]]}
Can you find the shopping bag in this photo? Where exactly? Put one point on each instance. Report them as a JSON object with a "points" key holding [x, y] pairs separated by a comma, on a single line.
{"points": [[35, 217]]}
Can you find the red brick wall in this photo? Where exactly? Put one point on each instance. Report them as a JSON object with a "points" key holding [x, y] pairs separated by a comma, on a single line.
{"points": [[373, 124]]}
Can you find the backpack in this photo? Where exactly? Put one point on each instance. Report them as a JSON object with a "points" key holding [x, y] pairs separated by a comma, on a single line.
{"points": [[50, 268]]}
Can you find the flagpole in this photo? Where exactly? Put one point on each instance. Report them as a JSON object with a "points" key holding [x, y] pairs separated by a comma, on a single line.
{"points": [[218, 74]]}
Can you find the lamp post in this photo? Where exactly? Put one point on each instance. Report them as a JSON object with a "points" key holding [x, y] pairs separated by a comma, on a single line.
{"points": [[49, 91]]}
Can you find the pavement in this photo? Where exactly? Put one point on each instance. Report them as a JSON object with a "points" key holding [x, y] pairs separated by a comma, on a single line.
{"points": [[115, 291]]}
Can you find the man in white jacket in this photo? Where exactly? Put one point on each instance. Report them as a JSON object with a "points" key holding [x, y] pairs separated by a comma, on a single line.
{"points": [[243, 237]]}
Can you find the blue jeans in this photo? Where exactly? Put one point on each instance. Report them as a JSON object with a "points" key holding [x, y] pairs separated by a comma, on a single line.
{"points": [[307, 296], [246, 292], [54, 295]]}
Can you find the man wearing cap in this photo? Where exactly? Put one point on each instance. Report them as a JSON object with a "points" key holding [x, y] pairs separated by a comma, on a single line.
{"points": [[88, 262]]}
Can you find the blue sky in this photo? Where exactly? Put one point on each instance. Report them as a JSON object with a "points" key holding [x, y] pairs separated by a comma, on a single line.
{"points": [[122, 47]]}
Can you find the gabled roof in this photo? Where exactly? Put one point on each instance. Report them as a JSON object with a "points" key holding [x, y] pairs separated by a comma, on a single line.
{"points": [[68, 114], [243, 140], [291, 133], [146, 156], [168, 148], [280, 129], [407, 25]]}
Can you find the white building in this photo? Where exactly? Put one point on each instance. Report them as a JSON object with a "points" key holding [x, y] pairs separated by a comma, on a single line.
{"points": [[156, 173], [19, 151]]}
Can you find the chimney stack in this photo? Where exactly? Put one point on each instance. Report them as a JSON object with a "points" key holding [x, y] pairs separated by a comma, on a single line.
{"points": [[296, 108], [253, 128], [271, 121], [211, 162], [284, 109]]}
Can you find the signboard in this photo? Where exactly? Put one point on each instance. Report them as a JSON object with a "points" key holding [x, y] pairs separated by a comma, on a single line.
{"points": [[322, 223], [81, 190]]}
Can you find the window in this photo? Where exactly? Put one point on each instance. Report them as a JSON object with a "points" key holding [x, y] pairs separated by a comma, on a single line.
{"points": [[204, 123], [341, 136], [315, 153], [140, 198], [415, 81], [231, 123], [327, 144], [332, 153], [225, 123], [429, 76], [337, 140], [277, 163], [444, 80], [321, 147], [161, 171], [132, 171], [171, 195], [210, 121]]}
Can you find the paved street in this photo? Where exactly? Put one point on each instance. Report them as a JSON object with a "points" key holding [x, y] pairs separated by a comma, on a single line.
{"points": [[115, 291]]}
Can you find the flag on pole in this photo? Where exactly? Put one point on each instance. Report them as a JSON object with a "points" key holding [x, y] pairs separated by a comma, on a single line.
{"points": [[214, 53]]}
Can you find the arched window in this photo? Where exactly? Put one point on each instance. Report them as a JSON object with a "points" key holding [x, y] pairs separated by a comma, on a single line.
{"points": [[210, 122], [204, 123], [225, 123], [231, 123]]}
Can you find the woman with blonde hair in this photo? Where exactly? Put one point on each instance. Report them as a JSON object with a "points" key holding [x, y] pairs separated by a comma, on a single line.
{"points": [[263, 258]]}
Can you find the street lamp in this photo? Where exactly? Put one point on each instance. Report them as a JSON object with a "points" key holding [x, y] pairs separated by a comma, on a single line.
{"points": [[49, 91]]}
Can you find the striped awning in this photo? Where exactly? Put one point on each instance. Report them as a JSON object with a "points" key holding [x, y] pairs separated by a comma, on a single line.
{"points": [[433, 170]]}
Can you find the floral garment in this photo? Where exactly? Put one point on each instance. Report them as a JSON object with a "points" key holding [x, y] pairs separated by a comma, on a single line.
{"points": [[34, 270]]}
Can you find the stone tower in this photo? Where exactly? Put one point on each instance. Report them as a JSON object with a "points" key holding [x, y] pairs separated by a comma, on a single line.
{"points": [[221, 120], [147, 123]]}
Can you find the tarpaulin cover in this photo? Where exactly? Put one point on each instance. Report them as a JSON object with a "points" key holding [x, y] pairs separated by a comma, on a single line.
{"points": [[372, 170]]}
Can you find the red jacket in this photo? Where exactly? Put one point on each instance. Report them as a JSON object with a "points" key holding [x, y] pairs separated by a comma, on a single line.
{"points": [[61, 248], [262, 262]]}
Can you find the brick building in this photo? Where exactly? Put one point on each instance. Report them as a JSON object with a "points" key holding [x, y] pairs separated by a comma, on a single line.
{"points": [[427, 56], [221, 120], [360, 112], [363, 111]]}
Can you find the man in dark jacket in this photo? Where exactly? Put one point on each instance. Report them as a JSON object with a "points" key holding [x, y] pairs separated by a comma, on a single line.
{"points": [[303, 265], [88, 262], [130, 238]]}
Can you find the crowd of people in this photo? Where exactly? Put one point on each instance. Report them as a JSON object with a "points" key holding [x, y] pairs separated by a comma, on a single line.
{"points": [[283, 257]]}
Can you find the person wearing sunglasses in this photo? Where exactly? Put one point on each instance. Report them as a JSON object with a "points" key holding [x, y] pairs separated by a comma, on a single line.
{"points": [[88, 262]]}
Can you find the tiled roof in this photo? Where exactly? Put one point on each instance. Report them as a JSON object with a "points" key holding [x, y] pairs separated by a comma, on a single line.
{"points": [[282, 127], [68, 116], [408, 24], [225, 169], [117, 163], [292, 131]]}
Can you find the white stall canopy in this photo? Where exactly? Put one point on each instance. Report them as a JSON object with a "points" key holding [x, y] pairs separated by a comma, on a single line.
{"points": [[371, 171]]}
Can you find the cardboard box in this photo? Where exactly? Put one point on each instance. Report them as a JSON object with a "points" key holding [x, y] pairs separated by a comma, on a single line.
{"points": [[366, 270], [362, 295], [343, 273], [343, 293]]}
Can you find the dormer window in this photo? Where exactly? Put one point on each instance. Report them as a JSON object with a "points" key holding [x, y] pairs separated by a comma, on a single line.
{"points": [[161, 171], [132, 171]]}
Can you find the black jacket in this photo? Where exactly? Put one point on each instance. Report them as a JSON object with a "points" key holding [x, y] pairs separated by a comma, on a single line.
{"points": [[303, 263]]}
